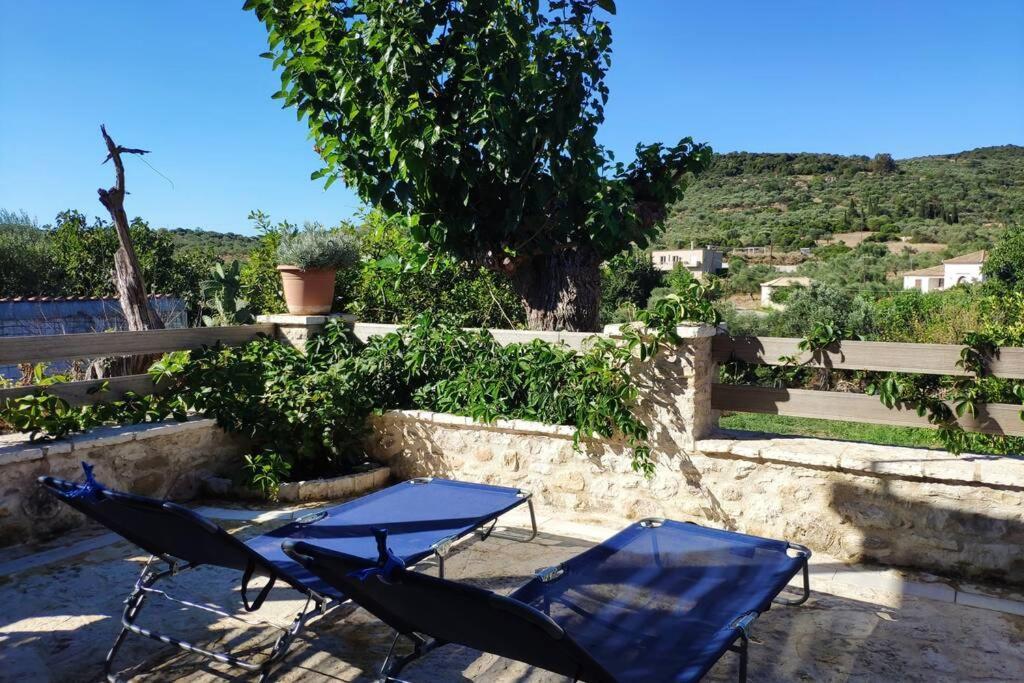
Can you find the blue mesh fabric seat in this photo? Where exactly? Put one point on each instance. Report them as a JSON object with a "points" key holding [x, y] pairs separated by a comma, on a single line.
{"points": [[663, 600], [429, 515], [659, 601]]}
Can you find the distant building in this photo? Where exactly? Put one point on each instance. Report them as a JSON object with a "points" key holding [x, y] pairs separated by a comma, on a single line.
{"points": [[772, 286], [966, 268], [958, 270], [698, 261], [925, 279], [751, 251]]}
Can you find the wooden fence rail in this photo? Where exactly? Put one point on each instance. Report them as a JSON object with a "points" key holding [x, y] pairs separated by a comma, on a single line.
{"points": [[933, 359], [80, 393], [993, 418], [929, 359], [37, 349]]}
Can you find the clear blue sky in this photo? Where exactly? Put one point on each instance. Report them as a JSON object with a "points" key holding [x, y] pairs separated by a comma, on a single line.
{"points": [[183, 79]]}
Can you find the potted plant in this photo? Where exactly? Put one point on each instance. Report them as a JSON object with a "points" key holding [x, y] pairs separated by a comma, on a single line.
{"points": [[308, 261]]}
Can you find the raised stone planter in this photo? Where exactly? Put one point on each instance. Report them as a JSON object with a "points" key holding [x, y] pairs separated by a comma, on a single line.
{"points": [[163, 459], [345, 486]]}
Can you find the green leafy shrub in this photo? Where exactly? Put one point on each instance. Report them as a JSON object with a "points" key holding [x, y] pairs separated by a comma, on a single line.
{"points": [[1004, 267], [266, 471], [27, 262], [259, 279], [943, 317], [316, 247], [44, 416], [222, 297], [399, 279], [75, 258]]}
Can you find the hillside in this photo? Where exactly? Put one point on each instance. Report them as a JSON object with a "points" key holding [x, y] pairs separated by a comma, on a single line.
{"points": [[227, 245], [791, 200]]}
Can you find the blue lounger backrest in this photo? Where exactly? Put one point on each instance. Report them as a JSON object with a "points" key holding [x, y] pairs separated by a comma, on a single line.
{"points": [[416, 603], [161, 528]]}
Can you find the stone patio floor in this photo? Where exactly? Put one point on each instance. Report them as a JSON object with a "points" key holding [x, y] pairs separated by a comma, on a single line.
{"points": [[58, 605]]}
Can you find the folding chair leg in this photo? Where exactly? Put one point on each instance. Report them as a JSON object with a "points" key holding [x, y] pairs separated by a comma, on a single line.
{"points": [[742, 625], [743, 658], [533, 520], [393, 664], [806, 592], [134, 603], [533, 525], [280, 648]]}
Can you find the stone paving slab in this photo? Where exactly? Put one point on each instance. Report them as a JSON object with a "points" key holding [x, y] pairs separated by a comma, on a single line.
{"points": [[57, 624]]}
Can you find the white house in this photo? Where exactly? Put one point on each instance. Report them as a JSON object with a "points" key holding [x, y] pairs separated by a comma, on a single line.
{"points": [[955, 271], [697, 261], [770, 287], [965, 268], [925, 279]]}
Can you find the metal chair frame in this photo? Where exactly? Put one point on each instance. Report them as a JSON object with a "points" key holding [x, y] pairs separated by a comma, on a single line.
{"points": [[144, 587]]}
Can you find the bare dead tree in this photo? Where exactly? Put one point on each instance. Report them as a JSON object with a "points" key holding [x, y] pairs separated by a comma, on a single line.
{"points": [[131, 288]]}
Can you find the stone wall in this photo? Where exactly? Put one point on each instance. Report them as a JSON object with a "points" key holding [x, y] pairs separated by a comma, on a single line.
{"points": [[163, 460], [953, 515]]}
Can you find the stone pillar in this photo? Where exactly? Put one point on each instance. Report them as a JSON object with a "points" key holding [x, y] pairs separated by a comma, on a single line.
{"points": [[675, 392], [695, 362], [296, 329]]}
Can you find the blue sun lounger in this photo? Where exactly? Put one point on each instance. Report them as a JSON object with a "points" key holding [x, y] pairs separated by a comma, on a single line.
{"points": [[428, 516], [659, 601]]}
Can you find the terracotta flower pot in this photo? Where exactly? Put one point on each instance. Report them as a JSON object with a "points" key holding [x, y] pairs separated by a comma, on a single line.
{"points": [[307, 292]]}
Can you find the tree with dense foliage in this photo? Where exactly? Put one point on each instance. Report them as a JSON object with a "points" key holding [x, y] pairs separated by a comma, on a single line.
{"points": [[1004, 267], [398, 281], [627, 281], [83, 254], [742, 278], [883, 163], [806, 308], [26, 258], [477, 121]]}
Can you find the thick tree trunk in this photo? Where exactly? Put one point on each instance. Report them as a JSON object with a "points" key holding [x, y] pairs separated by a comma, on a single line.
{"points": [[560, 291]]}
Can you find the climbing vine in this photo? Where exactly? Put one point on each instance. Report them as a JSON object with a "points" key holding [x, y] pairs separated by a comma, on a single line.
{"points": [[306, 414], [944, 399]]}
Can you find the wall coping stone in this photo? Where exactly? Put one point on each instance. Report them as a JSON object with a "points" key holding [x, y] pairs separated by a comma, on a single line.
{"points": [[21, 450], [695, 331], [871, 459], [514, 426], [574, 340], [332, 488], [287, 319]]}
